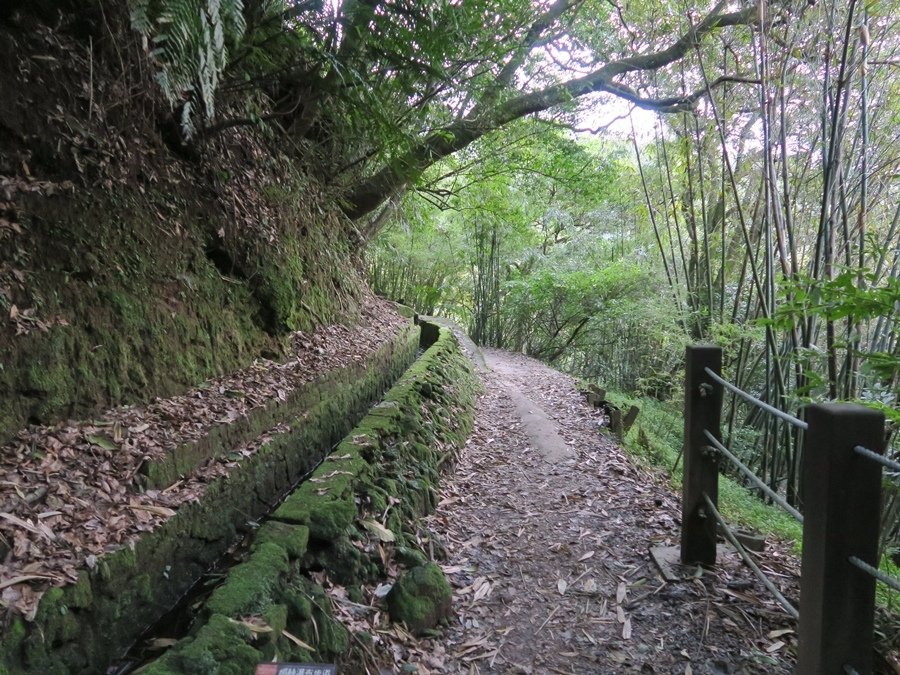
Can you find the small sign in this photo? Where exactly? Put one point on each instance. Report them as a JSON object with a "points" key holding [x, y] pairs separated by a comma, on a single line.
{"points": [[296, 669]]}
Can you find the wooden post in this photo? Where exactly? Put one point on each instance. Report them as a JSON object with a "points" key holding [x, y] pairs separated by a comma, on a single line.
{"points": [[615, 422], [630, 418], [842, 500], [702, 410]]}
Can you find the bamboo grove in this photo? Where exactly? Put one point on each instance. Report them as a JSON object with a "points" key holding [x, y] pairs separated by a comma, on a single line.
{"points": [[765, 219]]}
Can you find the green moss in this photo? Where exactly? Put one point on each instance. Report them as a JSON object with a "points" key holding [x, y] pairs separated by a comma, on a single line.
{"points": [[334, 639], [420, 598], [276, 618], [328, 519], [299, 606], [12, 639], [326, 502], [51, 613], [250, 586], [221, 647], [292, 538], [409, 557], [80, 594], [345, 563]]}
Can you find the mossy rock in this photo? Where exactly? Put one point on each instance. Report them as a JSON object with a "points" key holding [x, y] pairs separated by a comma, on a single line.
{"points": [[420, 598], [292, 538], [250, 586], [410, 557], [328, 519], [345, 563], [221, 647], [320, 628]]}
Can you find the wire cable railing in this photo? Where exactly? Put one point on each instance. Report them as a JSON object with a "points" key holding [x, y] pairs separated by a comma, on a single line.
{"points": [[875, 457], [841, 448], [753, 478], [886, 579], [748, 559], [750, 398]]}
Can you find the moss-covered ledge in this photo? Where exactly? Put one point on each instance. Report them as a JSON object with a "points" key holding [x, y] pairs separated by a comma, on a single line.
{"points": [[82, 627], [366, 496]]}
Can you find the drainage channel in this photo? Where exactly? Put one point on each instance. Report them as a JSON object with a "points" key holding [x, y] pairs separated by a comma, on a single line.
{"points": [[177, 622]]}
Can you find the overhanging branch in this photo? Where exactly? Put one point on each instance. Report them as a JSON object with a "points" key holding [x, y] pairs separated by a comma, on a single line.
{"points": [[408, 167]]}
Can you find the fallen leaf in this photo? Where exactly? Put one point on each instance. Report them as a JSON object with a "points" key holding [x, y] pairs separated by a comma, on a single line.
{"points": [[589, 554], [254, 626], [158, 510], [772, 634], [561, 586], [297, 641], [626, 629], [621, 592], [774, 647], [483, 591], [36, 529], [104, 442], [22, 579], [379, 530]]}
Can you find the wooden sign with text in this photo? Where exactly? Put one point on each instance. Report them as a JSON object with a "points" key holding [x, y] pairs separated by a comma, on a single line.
{"points": [[296, 669]]}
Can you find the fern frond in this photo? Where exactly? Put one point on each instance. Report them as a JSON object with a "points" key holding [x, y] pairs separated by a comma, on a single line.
{"points": [[190, 43]]}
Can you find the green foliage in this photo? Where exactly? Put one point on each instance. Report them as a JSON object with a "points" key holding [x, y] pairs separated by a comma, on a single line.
{"points": [[842, 297], [656, 440], [540, 248], [190, 42]]}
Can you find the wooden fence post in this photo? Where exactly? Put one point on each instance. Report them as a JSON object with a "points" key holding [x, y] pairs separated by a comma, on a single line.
{"points": [[702, 410], [842, 500]]}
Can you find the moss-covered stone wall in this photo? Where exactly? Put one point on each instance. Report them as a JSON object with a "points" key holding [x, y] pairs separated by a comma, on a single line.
{"points": [[82, 627], [269, 607], [115, 304]]}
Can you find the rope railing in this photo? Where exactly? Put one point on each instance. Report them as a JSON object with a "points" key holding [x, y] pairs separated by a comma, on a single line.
{"points": [[762, 576], [875, 457], [841, 515], [756, 480], [750, 398]]}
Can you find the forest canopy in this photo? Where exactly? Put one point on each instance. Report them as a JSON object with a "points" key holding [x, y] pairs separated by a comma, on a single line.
{"points": [[379, 91]]}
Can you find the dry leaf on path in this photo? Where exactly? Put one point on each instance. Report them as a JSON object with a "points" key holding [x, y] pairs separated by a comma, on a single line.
{"points": [[379, 530]]}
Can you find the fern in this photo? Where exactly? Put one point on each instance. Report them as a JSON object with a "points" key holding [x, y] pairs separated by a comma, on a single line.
{"points": [[189, 42]]}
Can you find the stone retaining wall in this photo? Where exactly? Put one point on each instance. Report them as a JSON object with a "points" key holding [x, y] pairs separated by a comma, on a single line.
{"points": [[350, 519], [84, 626]]}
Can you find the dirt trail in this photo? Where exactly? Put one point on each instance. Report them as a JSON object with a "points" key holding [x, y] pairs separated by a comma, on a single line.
{"points": [[548, 525]]}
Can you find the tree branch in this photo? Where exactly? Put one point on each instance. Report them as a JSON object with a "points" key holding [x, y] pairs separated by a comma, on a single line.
{"points": [[441, 143]]}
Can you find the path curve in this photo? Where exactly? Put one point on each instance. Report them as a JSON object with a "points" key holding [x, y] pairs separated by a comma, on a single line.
{"points": [[548, 524]]}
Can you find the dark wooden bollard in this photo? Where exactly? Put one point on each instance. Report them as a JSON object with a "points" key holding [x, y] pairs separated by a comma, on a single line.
{"points": [[840, 519], [702, 410], [630, 418], [615, 422]]}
